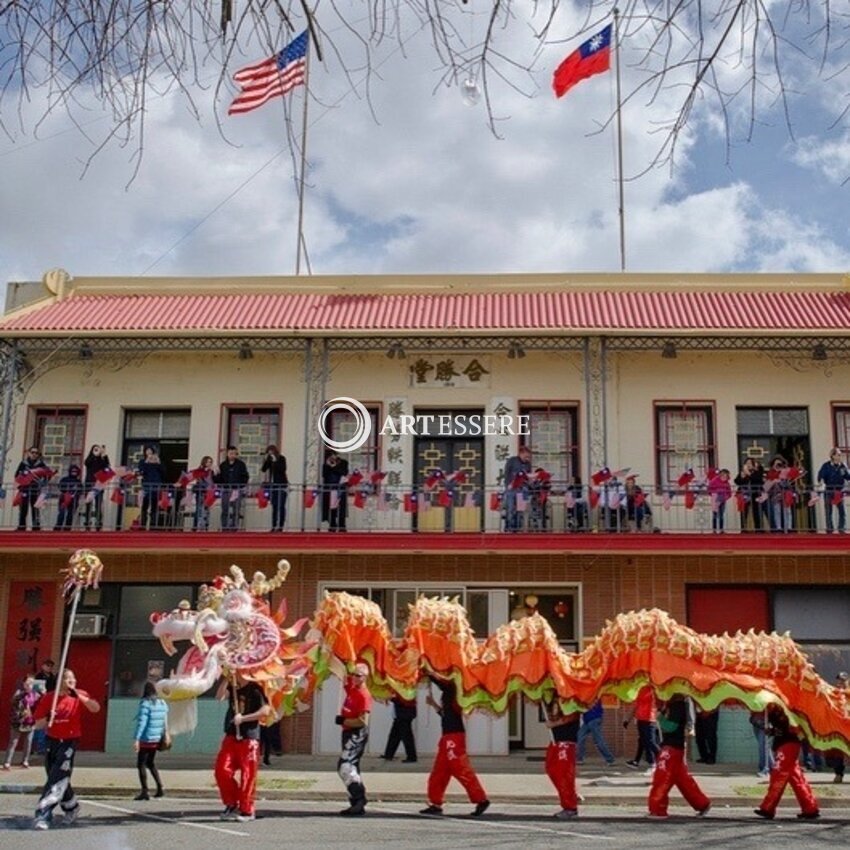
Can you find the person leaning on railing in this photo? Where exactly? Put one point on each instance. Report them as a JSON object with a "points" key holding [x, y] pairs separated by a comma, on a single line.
{"points": [[275, 466]]}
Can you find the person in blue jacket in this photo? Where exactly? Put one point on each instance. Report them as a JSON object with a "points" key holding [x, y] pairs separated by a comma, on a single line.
{"points": [[151, 730]]}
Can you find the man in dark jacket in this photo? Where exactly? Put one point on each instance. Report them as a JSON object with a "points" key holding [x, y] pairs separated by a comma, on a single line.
{"points": [[232, 477], [834, 475], [70, 489], [31, 476]]}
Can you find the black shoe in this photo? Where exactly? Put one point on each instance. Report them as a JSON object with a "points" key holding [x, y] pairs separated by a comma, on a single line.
{"points": [[633, 764], [142, 795], [763, 814], [480, 808], [386, 758], [267, 762], [355, 809], [809, 815], [409, 761], [431, 810], [703, 812], [159, 793]]}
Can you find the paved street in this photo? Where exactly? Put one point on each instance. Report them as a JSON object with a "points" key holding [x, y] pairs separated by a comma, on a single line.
{"points": [[119, 824]]}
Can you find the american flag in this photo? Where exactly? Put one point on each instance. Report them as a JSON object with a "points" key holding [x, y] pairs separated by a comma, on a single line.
{"points": [[273, 77]]}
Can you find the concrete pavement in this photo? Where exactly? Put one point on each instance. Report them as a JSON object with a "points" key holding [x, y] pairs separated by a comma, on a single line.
{"points": [[517, 778]]}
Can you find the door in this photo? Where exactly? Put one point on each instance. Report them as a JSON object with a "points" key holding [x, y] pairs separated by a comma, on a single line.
{"points": [[90, 658], [764, 433], [448, 505]]}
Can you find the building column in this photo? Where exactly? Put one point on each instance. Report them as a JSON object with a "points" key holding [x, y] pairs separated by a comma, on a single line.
{"points": [[594, 403]]}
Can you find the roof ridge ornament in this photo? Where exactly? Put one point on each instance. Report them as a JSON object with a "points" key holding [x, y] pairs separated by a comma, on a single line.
{"points": [[58, 283]]}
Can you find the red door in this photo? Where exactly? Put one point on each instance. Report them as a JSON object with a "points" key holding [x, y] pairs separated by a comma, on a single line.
{"points": [[90, 660]]}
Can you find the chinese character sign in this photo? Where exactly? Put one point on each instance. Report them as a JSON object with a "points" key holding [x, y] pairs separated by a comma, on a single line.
{"points": [[449, 370], [29, 633]]}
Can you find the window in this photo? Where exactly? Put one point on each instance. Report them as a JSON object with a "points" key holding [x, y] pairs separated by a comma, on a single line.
{"points": [[59, 432], [341, 425], [251, 429], [684, 439], [841, 427], [166, 430], [553, 438], [137, 655]]}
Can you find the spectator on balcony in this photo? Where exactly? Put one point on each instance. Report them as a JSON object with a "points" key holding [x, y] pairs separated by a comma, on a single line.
{"points": [[834, 475], [612, 505], [517, 471], [153, 476], [334, 491], [70, 489], [202, 477], [30, 484], [278, 482], [539, 488], [781, 495], [232, 477], [750, 484], [719, 491], [576, 506], [96, 461], [637, 508]]}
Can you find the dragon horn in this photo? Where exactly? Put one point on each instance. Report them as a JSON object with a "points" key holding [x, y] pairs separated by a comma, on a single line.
{"points": [[261, 586]]}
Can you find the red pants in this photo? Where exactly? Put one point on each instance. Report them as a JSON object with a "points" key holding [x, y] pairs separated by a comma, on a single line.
{"points": [[452, 761], [672, 769], [786, 768], [561, 769], [242, 756]]}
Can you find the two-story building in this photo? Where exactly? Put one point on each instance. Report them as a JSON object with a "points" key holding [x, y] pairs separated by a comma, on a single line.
{"points": [[662, 378]]}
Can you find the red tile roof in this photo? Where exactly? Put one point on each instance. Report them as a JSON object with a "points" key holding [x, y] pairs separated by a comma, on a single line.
{"points": [[583, 311]]}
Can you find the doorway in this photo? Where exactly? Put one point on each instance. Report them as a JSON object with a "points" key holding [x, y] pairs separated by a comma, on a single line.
{"points": [[444, 505], [768, 432]]}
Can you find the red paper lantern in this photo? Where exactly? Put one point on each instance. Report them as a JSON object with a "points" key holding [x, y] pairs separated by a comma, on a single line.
{"points": [[562, 608]]}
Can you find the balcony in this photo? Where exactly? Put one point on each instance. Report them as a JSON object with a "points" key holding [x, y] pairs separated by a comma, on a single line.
{"points": [[379, 518]]}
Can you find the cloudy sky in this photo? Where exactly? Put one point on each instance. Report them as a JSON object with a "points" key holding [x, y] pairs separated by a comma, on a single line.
{"points": [[419, 183]]}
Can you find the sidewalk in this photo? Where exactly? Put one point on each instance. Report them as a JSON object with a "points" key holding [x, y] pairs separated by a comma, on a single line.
{"points": [[516, 778]]}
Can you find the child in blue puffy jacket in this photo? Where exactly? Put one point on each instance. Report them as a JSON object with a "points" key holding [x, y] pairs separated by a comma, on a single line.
{"points": [[151, 732]]}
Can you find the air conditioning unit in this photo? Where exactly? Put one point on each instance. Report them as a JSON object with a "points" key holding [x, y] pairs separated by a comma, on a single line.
{"points": [[89, 625]]}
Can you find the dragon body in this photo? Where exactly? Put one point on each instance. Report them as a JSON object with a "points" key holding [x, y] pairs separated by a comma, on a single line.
{"points": [[233, 629]]}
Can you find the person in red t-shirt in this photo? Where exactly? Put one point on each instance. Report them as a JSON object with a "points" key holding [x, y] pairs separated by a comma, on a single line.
{"points": [[645, 713], [64, 730], [354, 720]]}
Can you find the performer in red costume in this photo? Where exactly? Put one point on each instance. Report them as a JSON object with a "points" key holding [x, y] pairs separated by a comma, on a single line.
{"points": [[354, 719], [452, 760], [786, 769], [240, 747], [561, 757], [670, 767]]}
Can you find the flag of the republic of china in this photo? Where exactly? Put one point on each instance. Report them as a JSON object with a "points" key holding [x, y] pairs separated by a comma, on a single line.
{"points": [[592, 57], [273, 77]]}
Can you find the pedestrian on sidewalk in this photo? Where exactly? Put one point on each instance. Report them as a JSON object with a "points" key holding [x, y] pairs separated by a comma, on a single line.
{"points": [[591, 726], [705, 733], [671, 766], [64, 730], [758, 720], [270, 741], [354, 720], [786, 769], [401, 732], [240, 747], [451, 759], [151, 735], [22, 722], [561, 756], [646, 715], [835, 758]]}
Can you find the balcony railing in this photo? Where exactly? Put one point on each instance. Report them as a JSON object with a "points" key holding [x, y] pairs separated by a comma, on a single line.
{"points": [[561, 509]]}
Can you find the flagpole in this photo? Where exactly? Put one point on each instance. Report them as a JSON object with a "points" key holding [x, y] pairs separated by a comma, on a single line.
{"points": [[622, 210], [303, 164]]}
